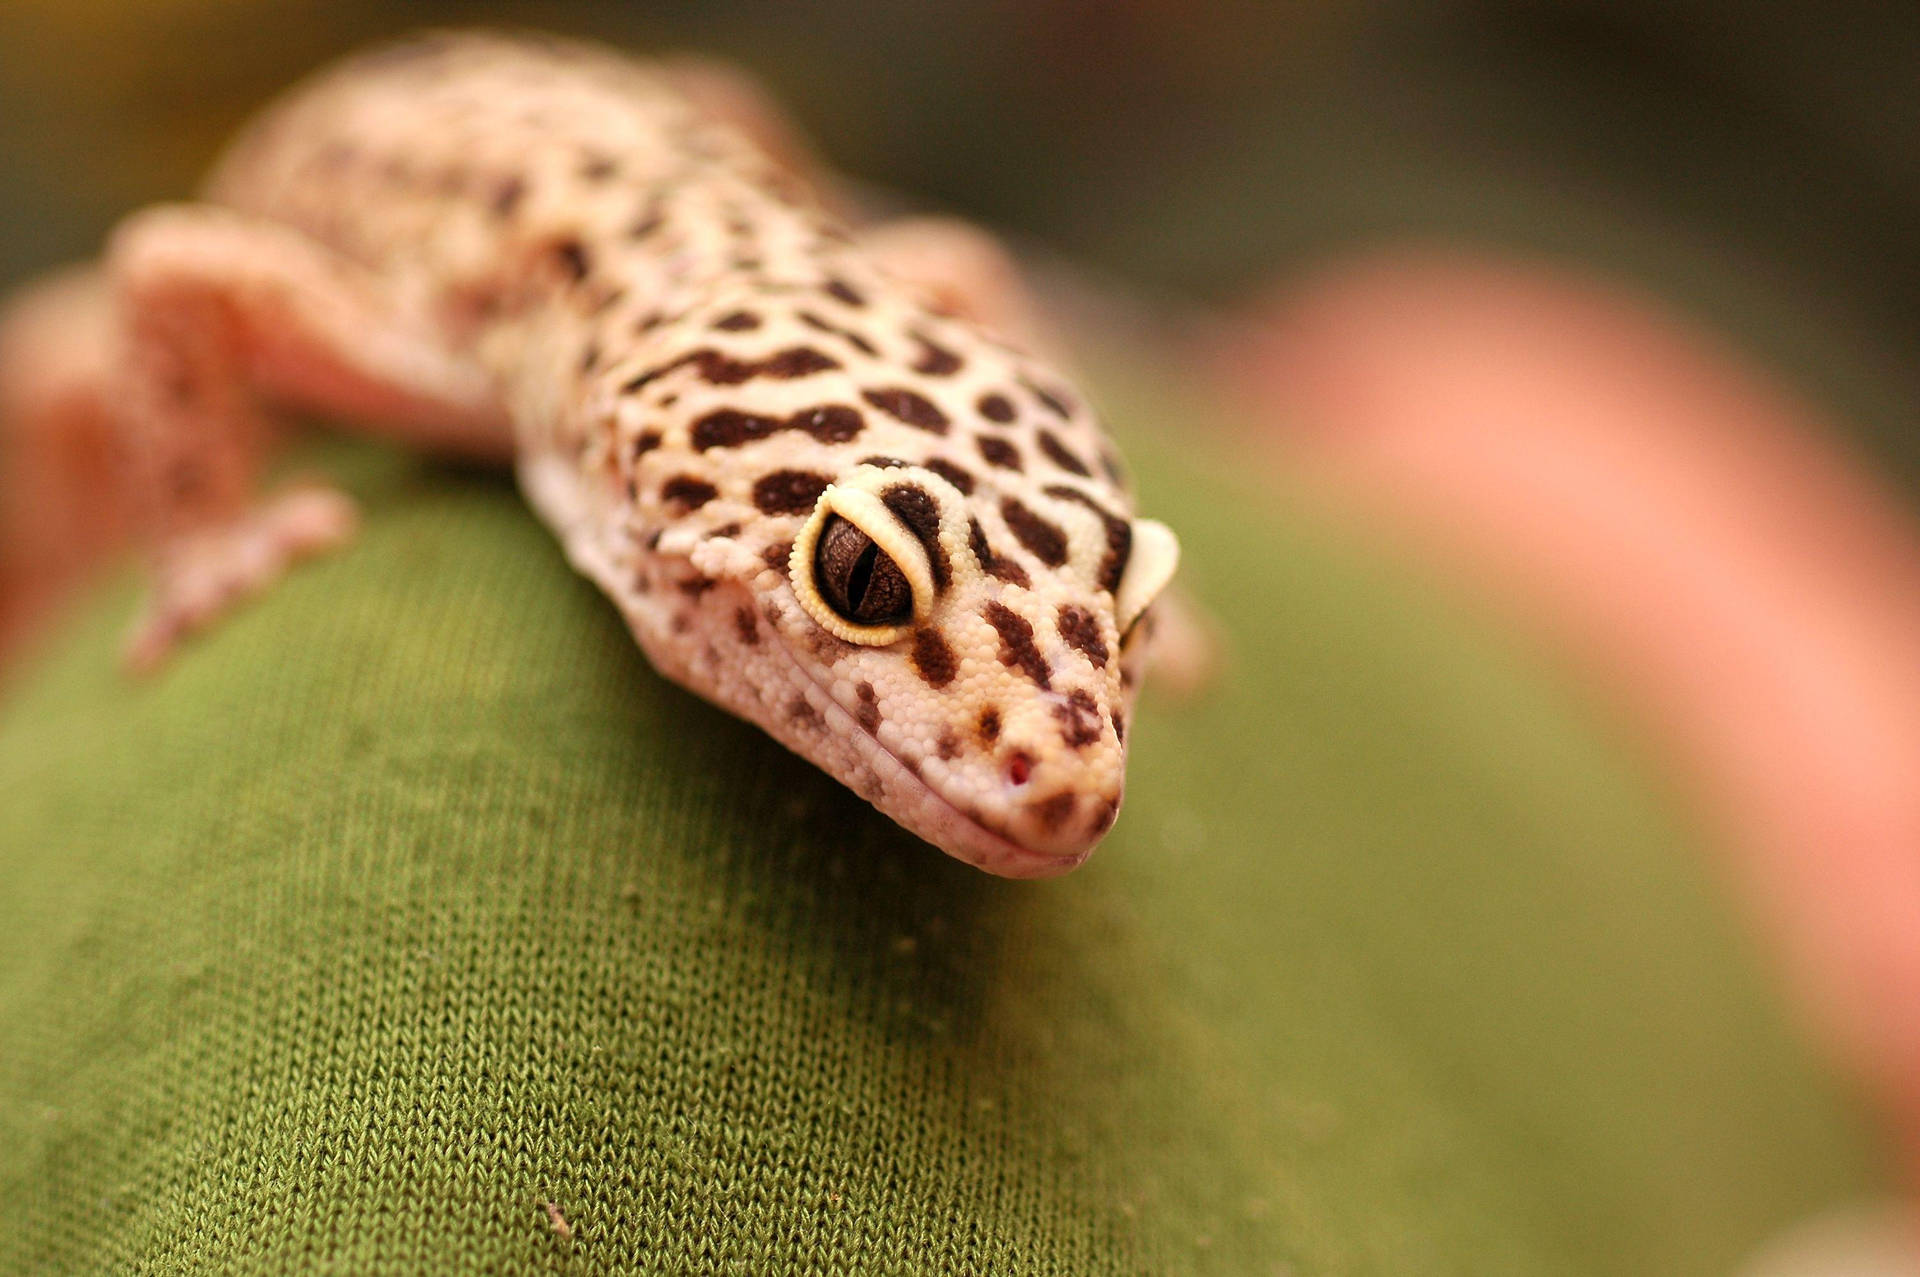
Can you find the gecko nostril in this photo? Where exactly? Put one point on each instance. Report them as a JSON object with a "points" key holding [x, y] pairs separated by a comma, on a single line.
{"points": [[1019, 769]]}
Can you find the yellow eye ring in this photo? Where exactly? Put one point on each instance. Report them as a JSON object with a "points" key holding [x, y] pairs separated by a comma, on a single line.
{"points": [[863, 512]]}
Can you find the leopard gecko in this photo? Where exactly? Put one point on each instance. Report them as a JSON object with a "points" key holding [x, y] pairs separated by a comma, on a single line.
{"points": [[820, 471]]}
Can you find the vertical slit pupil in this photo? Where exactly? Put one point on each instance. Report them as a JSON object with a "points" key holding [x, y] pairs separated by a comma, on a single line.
{"points": [[856, 578], [861, 576]]}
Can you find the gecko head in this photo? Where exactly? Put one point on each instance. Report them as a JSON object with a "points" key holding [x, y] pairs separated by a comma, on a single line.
{"points": [[920, 572], [968, 665]]}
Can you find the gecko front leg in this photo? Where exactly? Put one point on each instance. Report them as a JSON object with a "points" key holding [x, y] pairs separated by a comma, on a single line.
{"points": [[222, 317]]}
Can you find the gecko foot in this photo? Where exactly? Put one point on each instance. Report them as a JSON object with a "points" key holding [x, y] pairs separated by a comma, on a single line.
{"points": [[202, 575]]}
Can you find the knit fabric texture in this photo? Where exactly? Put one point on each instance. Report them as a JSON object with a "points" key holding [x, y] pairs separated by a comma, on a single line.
{"points": [[410, 923]]}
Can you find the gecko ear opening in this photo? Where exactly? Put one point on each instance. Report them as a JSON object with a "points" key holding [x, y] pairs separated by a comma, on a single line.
{"points": [[1156, 553], [859, 574]]}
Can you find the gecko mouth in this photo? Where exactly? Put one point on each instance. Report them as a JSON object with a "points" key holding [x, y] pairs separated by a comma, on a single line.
{"points": [[916, 805], [966, 838]]}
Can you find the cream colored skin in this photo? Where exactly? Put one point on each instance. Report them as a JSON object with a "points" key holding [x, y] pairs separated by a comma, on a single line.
{"points": [[545, 252]]}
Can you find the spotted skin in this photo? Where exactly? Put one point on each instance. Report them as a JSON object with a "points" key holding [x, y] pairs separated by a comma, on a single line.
{"points": [[692, 364]]}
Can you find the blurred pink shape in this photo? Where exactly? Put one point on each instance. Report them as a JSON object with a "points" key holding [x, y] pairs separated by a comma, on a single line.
{"points": [[1699, 536]]}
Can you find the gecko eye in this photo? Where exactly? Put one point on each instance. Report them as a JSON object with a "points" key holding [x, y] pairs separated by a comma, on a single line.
{"points": [[858, 579]]}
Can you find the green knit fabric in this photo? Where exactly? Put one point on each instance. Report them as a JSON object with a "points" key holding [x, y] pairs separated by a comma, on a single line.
{"points": [[412, 902]]}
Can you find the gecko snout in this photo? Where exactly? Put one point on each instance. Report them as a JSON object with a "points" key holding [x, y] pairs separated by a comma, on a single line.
{"points": [[1055, 801], [1062, 822]]}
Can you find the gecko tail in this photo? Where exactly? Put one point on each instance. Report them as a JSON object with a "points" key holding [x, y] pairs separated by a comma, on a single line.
{"points": [[63, 507]]}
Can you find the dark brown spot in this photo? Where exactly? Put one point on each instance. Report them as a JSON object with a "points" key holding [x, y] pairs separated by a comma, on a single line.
{"points": [[996, 408], [952, 474], [906, 406], [718, 369], [646, 442], [803, 714], [1055, 401], [868, 713], [738, 321], [649, 221], [830, 423], [1081, 630], [1017, 648], [840, 290], [948, 746], [571, 257], [999, 452], [695, 586], [789, 491], [847, 335], [746, 627], [1079, 717], [933, 658], [795, 361], [935, 360], [883, 463], [1043, 539], [507, 196], [724, 531], [598, 168], [989, 725], [1119, 726], [687, 492], [1019, 767], [730, 428], [1053, 812], [1119, 534], [1006, 570], [915, 507], [1057, 453], [827, 649], [1106, 810]]}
